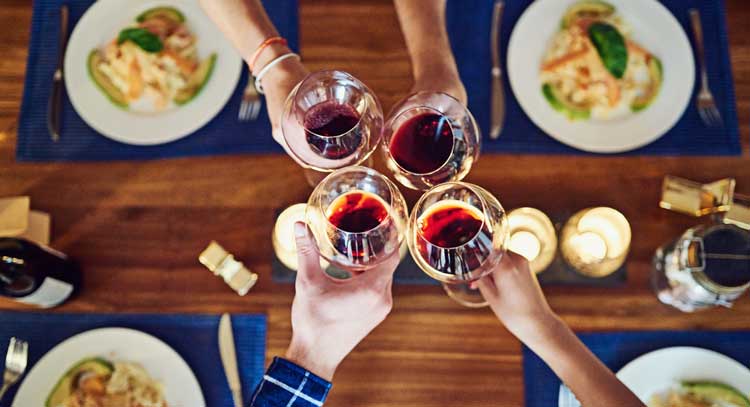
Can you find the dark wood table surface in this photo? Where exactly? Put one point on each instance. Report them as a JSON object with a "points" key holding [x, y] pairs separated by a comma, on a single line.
{"points": [[137, 227]]}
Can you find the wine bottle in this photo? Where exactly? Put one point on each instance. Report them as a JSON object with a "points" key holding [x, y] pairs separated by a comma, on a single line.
{"points": [[36, 275]]}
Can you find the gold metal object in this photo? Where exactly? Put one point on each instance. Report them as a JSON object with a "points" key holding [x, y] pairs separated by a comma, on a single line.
{"points": [[596, 241], [692, 198], [533, 236], [739, 212], [223, 264]]}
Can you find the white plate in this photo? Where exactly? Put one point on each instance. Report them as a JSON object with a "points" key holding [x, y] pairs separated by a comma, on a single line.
{"points": [[160, 361], [660, 370], [101, 23], [653, 26]]}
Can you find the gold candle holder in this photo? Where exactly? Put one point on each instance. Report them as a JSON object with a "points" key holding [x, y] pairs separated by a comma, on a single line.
{"points": [[692, 198], [739, 212], [533, 236], [596, 241]]}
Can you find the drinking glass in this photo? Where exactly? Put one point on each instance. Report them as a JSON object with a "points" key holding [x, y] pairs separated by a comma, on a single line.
{"points": [[330, 120], [458, 233], [430, 138], [358, 218]]}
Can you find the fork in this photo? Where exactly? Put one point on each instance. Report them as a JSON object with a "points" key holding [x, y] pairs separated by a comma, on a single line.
{"points": [[251, 102], [705, 100], [15, 363]]}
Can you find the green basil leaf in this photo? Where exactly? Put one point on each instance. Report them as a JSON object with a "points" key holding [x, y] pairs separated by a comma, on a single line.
{"points": [[143, 38], [610, 45]]}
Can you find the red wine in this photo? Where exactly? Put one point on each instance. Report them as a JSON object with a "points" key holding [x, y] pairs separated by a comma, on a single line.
{"points": [[450, 224], [720, 241], [357, 212], [453, 240], [36, 275], [331, 129], [353, 214], [423, 143]]}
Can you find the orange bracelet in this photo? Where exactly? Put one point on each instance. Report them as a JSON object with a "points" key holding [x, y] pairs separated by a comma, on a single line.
{"points": [[256, 54]]}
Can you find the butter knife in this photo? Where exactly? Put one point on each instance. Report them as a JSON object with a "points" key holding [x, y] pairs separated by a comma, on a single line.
{"points": [[229, 358], [497, 116], [54, 108]]}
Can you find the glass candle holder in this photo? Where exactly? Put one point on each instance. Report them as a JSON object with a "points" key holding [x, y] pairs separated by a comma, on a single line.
{"points": [[283, 239], [533, 236], [596, 241]]}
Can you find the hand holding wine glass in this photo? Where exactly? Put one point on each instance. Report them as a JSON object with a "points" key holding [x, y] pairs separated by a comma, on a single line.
{"points": [[514, 295], [330, 317]]}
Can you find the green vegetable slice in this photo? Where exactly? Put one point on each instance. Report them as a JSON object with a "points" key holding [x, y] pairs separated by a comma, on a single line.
{"points": [[141, 37], [197, 81], [715, 391], [656, 74], [170, 13], [64, 386], [559, 103], [594, 9], [102, 81], [610, 45]]}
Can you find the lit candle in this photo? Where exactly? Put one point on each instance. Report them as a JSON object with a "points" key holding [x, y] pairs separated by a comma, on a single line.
{"points": [[596, 241], [532, 235], [284, 242]]}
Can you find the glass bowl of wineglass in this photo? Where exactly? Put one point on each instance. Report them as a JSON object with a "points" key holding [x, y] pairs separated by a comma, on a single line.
{"points": [[331, 120], [430, 138], [458, 232], [358, 217]]}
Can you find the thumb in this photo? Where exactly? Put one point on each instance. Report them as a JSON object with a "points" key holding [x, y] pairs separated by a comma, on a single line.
{"points": [[308, 259]]}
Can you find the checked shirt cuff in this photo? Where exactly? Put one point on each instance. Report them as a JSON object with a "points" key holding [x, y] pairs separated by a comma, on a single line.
{"points": [[288, 385]]}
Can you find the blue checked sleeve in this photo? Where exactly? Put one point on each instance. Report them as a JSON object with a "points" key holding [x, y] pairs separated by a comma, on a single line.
{"points": [[288, 385]]}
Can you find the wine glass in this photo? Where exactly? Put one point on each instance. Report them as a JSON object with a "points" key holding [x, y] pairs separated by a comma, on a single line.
{"points": [[430, 138], [458, 233], [358, 217], [330, 120]]}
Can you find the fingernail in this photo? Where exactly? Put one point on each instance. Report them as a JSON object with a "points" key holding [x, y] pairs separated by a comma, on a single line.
{"points": [[300, 229]]}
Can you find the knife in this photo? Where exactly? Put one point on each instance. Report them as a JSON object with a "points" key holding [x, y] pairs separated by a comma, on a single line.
{"points": [[55, 99], [498, 98], [229, 358]]}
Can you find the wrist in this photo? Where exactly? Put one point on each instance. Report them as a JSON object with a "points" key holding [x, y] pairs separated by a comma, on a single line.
{"points": [[538, 330], [305, 355]]}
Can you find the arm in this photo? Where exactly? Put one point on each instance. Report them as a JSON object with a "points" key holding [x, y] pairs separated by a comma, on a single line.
{"points": [[246, 25], [516, 298], [433, 64], [329, 318]]}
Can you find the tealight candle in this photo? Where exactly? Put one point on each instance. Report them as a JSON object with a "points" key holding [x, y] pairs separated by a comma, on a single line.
{"points": [[595, 241], [284, 242], [532, 235]]}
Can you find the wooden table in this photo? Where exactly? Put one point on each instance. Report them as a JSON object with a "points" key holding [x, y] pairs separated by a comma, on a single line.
{"points": [[137, 227]]}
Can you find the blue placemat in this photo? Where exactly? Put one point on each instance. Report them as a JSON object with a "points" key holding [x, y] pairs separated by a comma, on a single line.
{"points": [[617, 349], [223, 135], [194, 337], [469, 29]]}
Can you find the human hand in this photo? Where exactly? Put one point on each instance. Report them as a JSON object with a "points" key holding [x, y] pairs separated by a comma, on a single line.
{"points": [[514, 295], [330, 317]]}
